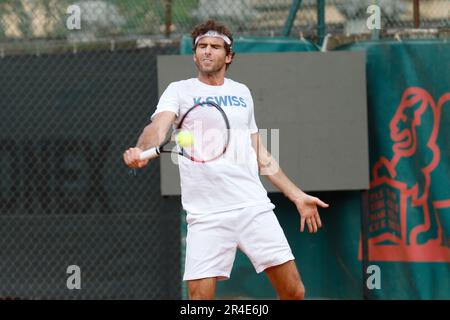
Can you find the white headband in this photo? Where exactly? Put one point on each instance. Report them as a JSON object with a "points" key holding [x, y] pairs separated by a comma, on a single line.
{"points": [[215, 34]]}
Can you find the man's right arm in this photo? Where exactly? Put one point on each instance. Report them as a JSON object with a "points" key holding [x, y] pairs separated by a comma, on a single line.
{"points": [[153, 135]]}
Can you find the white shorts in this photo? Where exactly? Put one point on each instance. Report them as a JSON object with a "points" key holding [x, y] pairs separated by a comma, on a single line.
{"points": [[212, 240]]}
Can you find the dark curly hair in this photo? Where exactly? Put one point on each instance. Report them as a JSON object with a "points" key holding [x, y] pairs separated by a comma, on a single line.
{"points": [[215, 26]]}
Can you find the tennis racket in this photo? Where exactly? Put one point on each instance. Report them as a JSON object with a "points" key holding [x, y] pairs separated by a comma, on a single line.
{"points": [[208, 129]]}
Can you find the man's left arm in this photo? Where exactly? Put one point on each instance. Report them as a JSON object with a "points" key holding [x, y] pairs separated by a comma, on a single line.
{"points": [[306, 204]]}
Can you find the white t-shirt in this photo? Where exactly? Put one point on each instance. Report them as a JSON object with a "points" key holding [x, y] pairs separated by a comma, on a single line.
{"points": [[231, 181]]}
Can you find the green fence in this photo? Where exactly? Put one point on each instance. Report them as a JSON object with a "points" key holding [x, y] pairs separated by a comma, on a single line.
{"points": [[66, 197]]}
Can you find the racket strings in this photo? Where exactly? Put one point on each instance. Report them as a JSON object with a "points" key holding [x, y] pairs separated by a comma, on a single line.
{"points": [[210, 132]]}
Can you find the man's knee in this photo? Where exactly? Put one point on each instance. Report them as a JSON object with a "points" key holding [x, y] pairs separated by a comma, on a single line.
{"points": [[296, 292], [203, 289], [198, 294]]}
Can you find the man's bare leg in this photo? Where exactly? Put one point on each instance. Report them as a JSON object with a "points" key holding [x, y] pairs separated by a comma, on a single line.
{"points": [[202, 289], [286, 280]]}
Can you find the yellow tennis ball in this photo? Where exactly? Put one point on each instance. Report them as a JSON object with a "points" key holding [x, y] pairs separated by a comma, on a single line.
{"points": [[185, 139]]}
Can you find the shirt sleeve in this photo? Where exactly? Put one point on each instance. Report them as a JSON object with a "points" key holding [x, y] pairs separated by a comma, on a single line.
{"points": [[169, 101], [252, 123]]}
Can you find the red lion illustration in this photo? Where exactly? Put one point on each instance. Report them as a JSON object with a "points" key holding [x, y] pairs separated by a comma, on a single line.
{"points": [[403, 220]]}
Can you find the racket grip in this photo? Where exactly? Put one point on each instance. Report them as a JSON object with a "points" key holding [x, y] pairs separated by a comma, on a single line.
{"points": [[149, 154]]}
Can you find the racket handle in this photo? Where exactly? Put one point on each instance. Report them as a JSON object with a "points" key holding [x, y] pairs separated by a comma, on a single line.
{"points": [[149, 154]]}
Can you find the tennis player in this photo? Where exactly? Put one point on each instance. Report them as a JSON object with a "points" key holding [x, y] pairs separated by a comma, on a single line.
{"points": [[227, 207]]}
